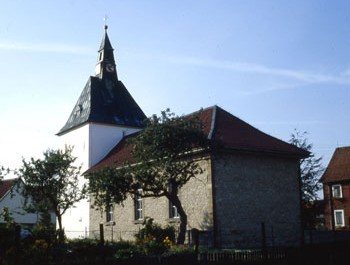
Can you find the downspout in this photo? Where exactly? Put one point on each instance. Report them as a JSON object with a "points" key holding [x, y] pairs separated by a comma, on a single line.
{"points": [[331, 207], [213, 190], [302, 239], [212, 174]]}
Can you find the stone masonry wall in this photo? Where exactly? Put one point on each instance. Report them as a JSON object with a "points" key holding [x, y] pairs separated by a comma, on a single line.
{"points": [[251, 190], [196, 197]]}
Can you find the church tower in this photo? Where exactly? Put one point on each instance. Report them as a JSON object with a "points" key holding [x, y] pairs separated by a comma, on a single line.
{"points": [[104, 113]]}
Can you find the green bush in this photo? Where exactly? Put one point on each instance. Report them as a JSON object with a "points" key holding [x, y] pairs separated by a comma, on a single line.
{"points": [[45, 232], [152, 239], [84, 247], [125, 250], [7, 238]]}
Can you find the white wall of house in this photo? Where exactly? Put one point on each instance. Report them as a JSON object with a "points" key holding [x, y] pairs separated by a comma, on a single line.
{"points": [[91, 143], [102, 138], [14, 201]]}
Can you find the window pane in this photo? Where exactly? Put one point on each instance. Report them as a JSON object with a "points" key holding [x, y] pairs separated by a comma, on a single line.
{"points": [[339, 218], [173, 211], [138, 205], [337, 191], [109, 213]]}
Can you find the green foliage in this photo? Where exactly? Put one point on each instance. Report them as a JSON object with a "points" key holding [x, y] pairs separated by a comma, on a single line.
{"points": [[3, 172], [8, 219], [7, 237], [45, 230], [51, 183], [310, 172], [125, 249], [89, 249], [164, 154], [164, 151], [152, 239], [109, 185], [311, 168], [38, 253]]}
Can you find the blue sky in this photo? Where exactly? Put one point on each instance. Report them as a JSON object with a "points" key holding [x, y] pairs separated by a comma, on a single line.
{"points": [[278, 65]]}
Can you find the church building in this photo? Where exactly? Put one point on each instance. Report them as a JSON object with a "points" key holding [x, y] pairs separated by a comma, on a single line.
{"points": [[104, 113], [250, 193]]}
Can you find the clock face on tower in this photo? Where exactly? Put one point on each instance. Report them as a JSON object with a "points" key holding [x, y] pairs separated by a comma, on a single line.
{"points": [[110, 67]]}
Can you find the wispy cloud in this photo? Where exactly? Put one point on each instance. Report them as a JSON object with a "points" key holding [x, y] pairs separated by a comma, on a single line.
{"points": [[287, 122], [305, 77], [44, 47]]}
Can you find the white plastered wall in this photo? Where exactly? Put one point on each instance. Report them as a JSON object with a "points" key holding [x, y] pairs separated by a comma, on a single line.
{"points": [[91, 143]]}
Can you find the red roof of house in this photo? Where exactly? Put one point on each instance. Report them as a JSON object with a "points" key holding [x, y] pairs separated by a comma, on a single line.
{"points": [[338, 168], [5, 186], [219, 125]]}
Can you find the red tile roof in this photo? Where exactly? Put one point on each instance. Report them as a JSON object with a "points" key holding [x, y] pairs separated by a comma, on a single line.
{"points": [[5, 186], [236, 134], [338, 168], [230, 131]]}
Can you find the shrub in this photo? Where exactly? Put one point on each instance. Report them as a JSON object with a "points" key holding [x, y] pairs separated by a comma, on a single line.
{"points": [[152, 239], [124, 249]]}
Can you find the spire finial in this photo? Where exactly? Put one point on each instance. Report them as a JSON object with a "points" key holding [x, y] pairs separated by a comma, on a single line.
{"points": [[105, 20]]}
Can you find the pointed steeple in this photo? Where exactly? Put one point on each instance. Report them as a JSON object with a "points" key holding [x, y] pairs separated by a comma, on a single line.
{"points": [[105, 99], [106, 66]]}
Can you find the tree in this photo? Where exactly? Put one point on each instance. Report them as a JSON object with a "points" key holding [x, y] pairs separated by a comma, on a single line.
{"points": [[3, 172], [311, 167], [311, 170], [164, 159], [51, 183]]}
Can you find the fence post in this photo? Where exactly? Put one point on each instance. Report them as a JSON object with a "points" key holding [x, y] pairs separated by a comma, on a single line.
{"points": [[17, 244], [102, 237], [263, 242], [102, 242], [195, 236]]}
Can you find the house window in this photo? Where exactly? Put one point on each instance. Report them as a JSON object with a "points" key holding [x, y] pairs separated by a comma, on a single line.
{"points": [[138, 205], [337, 191], [339, 218], [172, 208], [173, 211], [109, 213]]}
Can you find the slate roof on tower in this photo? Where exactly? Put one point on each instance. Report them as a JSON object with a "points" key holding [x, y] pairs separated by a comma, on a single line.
{"points": [[219, 125], [105, 99]]}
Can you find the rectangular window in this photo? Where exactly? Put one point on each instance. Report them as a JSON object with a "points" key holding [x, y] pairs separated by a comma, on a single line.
{"points": [[339, 218], [337, 191], [138, 205], [172, 208], [173, 211], [109, 213]]}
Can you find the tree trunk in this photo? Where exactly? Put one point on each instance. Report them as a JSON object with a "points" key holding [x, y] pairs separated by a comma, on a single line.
{"points": [[183, 219], [182, 233], [60, 229]]}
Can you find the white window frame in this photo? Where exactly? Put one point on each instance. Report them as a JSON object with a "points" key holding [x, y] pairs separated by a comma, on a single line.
{"points": [[138, 205], [110, 213], [342, 224], [173, 213], [337, 191]]}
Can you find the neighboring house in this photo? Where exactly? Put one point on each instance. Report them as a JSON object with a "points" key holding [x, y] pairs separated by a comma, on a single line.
{"points": [[11, 198], [254, 183], [336, 189]]}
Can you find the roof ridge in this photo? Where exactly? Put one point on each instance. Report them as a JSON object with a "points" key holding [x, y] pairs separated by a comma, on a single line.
{"points": [[213, 122], [6, 186]]}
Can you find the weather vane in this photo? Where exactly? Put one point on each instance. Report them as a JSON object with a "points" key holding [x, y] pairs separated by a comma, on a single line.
{"points": [[105, 20]]}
